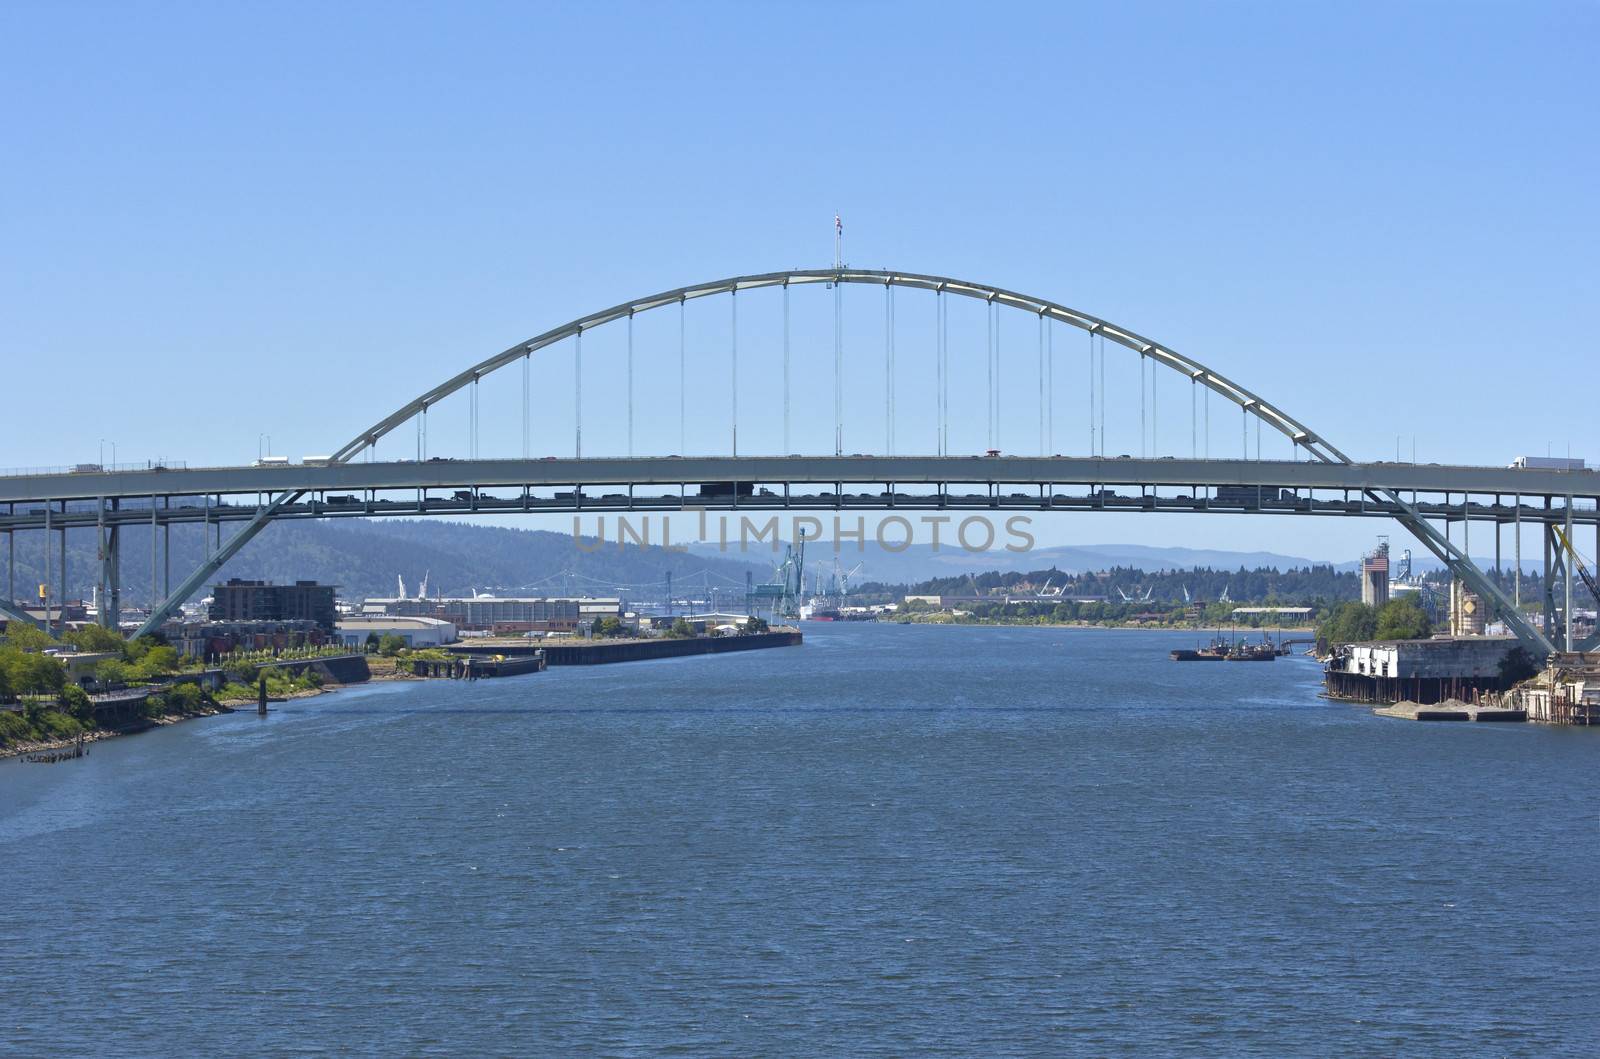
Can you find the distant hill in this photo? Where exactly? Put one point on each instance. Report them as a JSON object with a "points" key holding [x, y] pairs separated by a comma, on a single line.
{"points": [[364, 557], [921, 563]]}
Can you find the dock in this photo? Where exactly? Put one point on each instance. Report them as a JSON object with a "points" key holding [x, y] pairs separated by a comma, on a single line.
{"points": [[1452, 710], [481, 667]]}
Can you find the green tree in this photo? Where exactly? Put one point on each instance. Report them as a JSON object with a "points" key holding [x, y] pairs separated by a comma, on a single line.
{"points": [[36, 674], [27, 637], [158, 661], [391, 644], [238, 671], [374, 642], [75, 701], [113, 672], [755, 624], [608, 627], [1349, 623], [681, 630], [95, 638], [1402, 619]]}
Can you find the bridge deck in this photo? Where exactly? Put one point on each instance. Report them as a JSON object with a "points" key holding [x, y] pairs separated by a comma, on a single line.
{"points": [[799, 470]]}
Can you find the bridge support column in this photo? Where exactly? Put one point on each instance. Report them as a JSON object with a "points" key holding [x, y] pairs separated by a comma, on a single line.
{"points": [[114, 542], [103, 554], [1547, 576], [49, 560], [1568, 562]]}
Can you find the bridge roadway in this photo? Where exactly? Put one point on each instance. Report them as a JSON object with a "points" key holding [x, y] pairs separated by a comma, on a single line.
{"points": [[946, 475]]}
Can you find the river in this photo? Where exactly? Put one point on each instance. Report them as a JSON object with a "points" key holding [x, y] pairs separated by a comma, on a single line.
{"points": [[894, 840]]}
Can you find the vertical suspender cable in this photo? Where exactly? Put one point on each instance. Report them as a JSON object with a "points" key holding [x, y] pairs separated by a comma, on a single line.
{"points": [[838, 368], [1102, 394], [527, 437], [888, 370], [892, 351], [1091, 394], [733, 356], [1155, 420], [1194, 429], [682, 404], [786, 449], [988, 355], [1142, 359], [997, 379], [1041, 384], [1050, 386], [577, 394], [938, 374], [630, 383]]}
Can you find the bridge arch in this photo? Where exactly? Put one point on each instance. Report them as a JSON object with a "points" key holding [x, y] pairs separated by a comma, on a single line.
{"points": [[1192, 370], [1197, 373]]}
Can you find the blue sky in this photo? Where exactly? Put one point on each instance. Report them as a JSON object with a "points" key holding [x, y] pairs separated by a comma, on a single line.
{"points": [[223, 220]]}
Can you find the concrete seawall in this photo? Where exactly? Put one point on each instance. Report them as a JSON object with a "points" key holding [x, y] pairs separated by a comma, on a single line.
{"points": [[339, 669], [602, 652]]}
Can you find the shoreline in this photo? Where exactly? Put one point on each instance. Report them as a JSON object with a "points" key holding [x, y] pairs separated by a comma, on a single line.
{"points": [[216, 708], [1249, 629]]}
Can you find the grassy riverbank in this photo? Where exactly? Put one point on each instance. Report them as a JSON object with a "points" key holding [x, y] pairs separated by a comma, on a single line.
{"points": [[35, 728]]}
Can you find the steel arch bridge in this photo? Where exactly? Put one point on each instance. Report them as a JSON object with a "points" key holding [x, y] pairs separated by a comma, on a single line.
{"points": [[302, 492]]}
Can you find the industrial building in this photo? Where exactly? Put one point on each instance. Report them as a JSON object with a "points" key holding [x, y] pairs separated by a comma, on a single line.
{"points": [[1375, 576], [241, 600], [502, 615], [1467, 612], [416, 632], [1425, 671]]}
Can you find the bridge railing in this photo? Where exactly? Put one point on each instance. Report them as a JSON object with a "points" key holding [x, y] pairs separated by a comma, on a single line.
{"points": [[94, 468]]}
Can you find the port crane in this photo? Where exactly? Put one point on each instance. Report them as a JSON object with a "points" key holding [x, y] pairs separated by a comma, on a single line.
{"points": [[1577, 560], [844, 578]]}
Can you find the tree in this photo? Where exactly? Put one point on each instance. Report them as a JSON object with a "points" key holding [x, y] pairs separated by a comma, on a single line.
{"points": [[158, 661], [239, 672], [755, 624], [27, 637], [607, 627], [75, 701], [1349, 623], [391, 644], [1516, 667], [95, 638], [112, 672], [1402, 619], [36, 674], [374, 642], [681, 630]]}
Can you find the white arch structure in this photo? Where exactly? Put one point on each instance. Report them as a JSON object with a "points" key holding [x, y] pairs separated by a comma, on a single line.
{"points": [[1197, 373]]}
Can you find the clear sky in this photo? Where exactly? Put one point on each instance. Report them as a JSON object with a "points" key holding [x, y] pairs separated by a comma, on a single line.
{"points": [[227, 220]]}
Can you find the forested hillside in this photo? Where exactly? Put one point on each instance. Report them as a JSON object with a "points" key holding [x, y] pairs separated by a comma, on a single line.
{"points": [[364, 557]]}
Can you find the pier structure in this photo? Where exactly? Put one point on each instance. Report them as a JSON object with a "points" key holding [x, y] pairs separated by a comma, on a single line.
{"points": [[1421, 671]]}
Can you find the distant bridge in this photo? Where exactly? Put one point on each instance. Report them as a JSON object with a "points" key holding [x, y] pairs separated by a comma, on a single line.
{"points": [[1427, 499]]}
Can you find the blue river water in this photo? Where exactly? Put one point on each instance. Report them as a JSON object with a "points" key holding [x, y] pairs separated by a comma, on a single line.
{"points": [[892, 841]]}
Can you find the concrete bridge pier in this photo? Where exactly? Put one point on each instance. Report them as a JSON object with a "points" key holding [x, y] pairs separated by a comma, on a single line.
{"points": [[110, 551]]}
